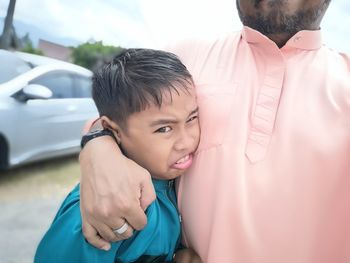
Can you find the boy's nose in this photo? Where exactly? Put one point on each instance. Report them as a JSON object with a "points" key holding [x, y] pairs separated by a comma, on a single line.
{"points": [[185, 141]]}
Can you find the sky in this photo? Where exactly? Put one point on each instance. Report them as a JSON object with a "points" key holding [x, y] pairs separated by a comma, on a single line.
{"points": [[154, 23]]}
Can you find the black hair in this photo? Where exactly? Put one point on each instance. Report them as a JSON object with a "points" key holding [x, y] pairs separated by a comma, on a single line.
{"points": [[135, 79]]}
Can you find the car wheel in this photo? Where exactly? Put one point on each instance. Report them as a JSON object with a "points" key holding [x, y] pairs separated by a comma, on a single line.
{"points": [[4, 152]]}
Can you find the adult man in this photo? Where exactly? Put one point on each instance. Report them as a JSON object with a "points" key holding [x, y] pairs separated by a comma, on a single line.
{"points": [[270, 182]]}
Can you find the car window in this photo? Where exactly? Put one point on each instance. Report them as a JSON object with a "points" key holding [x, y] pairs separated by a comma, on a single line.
{"points": [[60, 83], [82, 87], [11, 66]]}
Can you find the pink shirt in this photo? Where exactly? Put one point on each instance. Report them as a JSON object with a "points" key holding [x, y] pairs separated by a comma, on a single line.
{"points": [[271, 180]]}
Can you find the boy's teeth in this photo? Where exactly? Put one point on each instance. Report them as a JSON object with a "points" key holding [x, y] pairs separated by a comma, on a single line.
{"points": [[183, 159]]}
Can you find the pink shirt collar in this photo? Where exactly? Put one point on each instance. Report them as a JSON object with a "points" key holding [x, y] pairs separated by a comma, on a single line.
{"points": [[305, 39]]}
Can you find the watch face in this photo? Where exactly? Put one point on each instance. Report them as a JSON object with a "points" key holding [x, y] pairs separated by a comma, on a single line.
{"points": [[94, 132]]}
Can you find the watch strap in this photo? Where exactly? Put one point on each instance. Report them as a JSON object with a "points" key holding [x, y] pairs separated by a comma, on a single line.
{"points": [[95, 134]]}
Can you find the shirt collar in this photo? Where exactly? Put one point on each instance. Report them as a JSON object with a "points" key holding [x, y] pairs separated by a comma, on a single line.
{"points": [[160, 185], [305, 39]]}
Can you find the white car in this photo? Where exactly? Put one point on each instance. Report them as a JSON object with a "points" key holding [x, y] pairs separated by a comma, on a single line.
{"points": [[44, 105]]}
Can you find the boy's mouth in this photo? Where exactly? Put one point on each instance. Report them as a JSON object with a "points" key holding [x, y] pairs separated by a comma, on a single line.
{"points": [[184, 162], [183, 159]]}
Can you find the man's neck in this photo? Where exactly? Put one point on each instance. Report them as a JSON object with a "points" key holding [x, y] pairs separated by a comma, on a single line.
{"points": [[280, 39]]}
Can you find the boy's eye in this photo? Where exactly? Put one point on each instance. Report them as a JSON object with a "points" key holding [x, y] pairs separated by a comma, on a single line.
{"points": [[192, 118], [164, 129]]}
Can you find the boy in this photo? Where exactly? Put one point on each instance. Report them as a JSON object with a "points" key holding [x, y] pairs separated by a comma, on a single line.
{"points": [[146, 99]]}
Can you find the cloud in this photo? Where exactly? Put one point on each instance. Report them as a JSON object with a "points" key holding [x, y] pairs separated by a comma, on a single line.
{"points": [[114, 22], [173, 20], [335, 26]]}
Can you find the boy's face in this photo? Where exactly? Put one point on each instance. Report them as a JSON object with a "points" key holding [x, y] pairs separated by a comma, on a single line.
{"points": [[163, 140]]}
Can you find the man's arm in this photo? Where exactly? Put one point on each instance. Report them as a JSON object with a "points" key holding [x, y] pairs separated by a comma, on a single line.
{"points": [[186, 255], [113, 189]]}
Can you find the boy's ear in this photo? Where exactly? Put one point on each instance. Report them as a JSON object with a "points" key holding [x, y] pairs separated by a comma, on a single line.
{"points": [[113, 126]]}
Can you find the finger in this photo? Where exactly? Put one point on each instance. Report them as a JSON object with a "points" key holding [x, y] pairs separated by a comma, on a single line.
{"points": [[105, 232], [148, 194], [136, 217], [93, 238], [119, 237], [127, 234]]}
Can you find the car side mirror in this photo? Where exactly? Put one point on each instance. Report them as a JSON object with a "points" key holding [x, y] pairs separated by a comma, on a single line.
{"points": [[36, 91], [31, 92]]}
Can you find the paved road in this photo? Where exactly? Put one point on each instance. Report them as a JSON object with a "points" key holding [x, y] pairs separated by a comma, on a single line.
{"points": [[22, 224], [29, 199]]}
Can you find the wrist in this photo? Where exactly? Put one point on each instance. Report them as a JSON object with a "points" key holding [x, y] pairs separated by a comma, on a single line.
{"points": [[96, 133], [95, 151]]}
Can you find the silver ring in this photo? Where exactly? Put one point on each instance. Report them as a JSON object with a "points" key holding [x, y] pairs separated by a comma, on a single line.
{"points": [[121, 230]]}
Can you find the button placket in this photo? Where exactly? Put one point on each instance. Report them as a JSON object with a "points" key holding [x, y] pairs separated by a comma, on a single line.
{"points": [[264, 116]]}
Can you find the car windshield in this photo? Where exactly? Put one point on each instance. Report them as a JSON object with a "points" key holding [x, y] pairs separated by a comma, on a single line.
{"points": [[11, 66]]}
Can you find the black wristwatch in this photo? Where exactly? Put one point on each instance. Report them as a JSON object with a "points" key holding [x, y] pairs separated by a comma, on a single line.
{"points": [[94, 134]]}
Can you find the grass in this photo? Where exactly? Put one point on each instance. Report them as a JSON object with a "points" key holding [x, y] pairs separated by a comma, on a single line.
{"points": [[51, 178]]}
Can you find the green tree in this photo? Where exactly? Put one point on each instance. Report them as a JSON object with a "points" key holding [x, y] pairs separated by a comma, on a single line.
{"points": [[91, 55], [28, 48]]}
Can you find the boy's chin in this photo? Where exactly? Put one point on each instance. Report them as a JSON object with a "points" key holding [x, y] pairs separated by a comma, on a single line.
{"points": [[169, 176]]}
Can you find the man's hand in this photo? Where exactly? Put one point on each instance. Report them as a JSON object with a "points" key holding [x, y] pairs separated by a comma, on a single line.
{"points": [[114, 189], [186, 255]]}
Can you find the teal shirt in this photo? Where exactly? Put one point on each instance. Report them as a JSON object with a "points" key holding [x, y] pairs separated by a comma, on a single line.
{"points": [[64, 241]]}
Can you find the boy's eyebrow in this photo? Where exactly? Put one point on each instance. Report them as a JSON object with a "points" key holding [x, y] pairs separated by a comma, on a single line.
{"points": [[168, 121]]}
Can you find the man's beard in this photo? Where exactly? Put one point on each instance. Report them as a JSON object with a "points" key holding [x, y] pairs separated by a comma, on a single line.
{"points": [[277, 22]]}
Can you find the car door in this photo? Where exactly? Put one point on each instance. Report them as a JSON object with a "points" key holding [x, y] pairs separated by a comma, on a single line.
{"points": [[53, 127], [82, 92]]}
